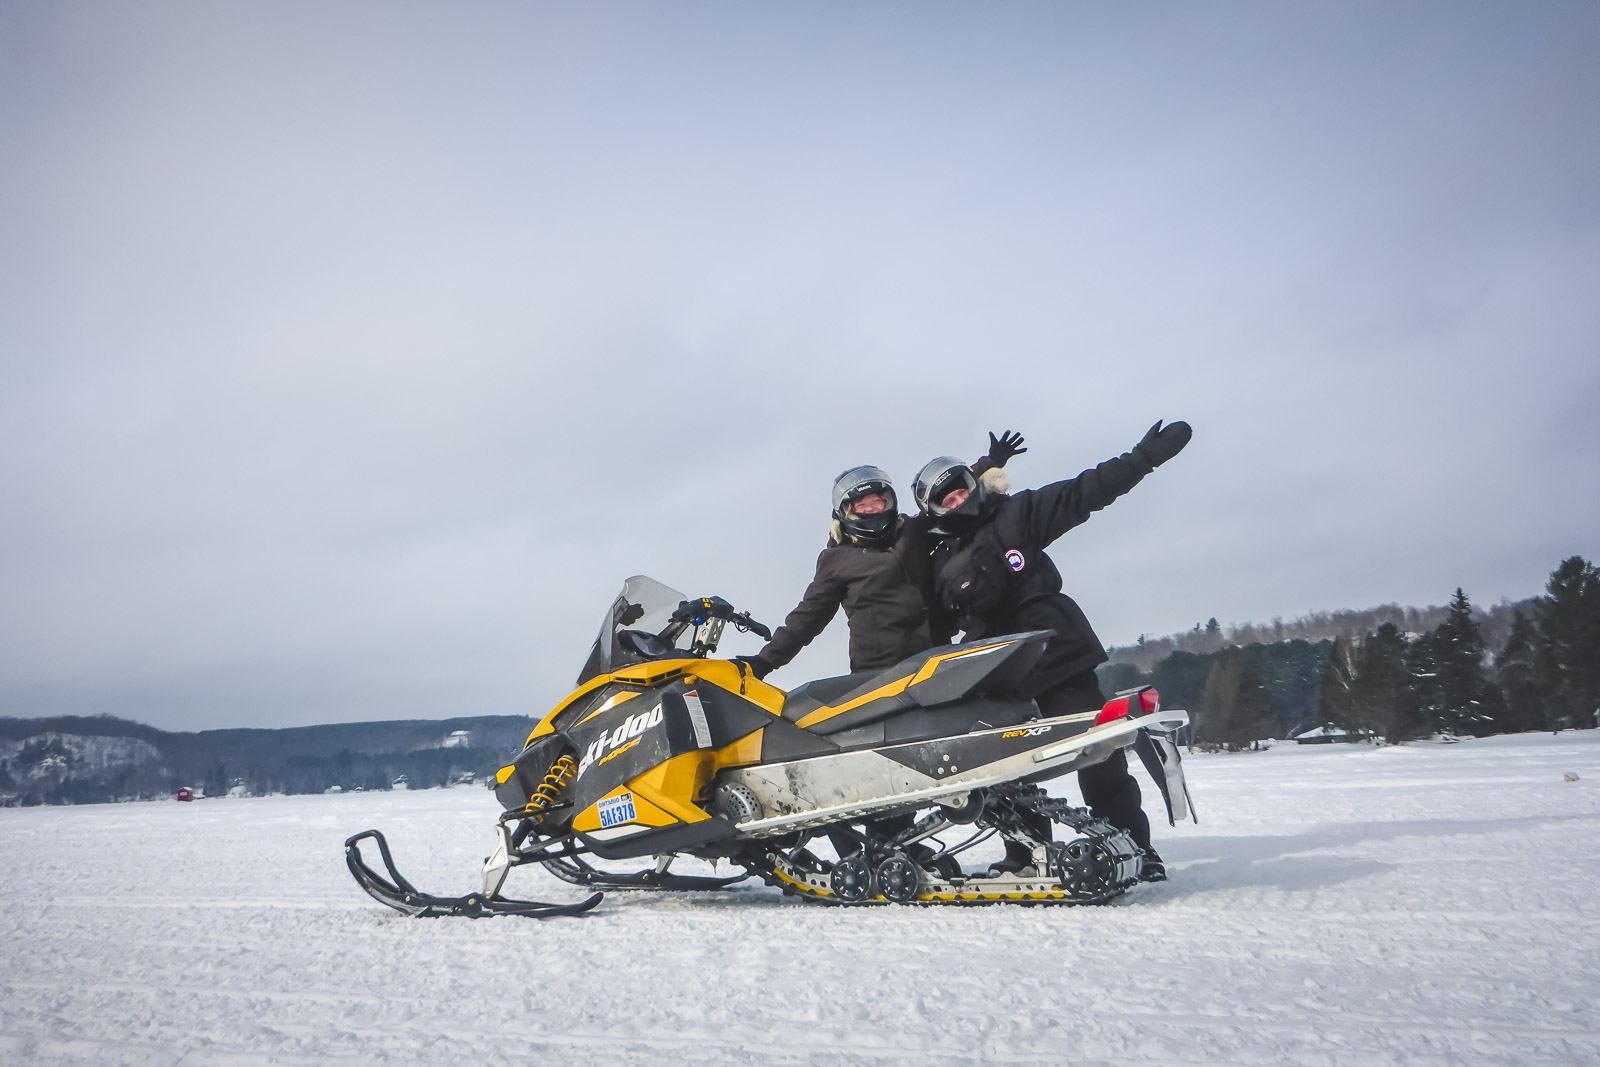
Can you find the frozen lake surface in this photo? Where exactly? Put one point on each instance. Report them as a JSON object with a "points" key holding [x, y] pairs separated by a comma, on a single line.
{"points": [[1428, 904]]}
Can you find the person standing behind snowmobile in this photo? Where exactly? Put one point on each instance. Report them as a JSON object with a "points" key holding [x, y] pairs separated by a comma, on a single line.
{"points": [[876, 567], [993, 574]]}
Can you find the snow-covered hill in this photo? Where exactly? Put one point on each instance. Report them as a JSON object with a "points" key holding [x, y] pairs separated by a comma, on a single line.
{"points": [[1431, 904]]}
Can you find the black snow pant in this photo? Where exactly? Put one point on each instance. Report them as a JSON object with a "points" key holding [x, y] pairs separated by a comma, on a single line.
{"points": [[1110, 791]]}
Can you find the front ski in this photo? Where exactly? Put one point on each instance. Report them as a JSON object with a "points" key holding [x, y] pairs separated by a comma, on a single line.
{"points": [[402, 896]]}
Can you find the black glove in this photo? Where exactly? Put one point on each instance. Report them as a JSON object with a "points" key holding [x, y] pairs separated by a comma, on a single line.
{"points": [[1004, 447], [1161, 445], [758, 666]]}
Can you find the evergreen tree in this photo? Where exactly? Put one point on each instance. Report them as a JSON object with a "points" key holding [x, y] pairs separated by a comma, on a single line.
{"points": [[1457, 648], [1381, 698], [1181, 679], [1252, 716], [1427, 690], [1568, 654], [1527, 700]]}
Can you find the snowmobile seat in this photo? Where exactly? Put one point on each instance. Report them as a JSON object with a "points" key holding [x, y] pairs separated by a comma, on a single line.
{"points": [[804, 699]]}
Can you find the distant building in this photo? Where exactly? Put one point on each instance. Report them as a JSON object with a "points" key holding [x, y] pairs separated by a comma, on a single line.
{"points": [[1324, 735], [457, 739], [333, 789], [401, 782], [185, 793]]}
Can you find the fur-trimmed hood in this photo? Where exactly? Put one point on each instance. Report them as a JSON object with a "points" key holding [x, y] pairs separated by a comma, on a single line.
{"points": [[996, 481]]}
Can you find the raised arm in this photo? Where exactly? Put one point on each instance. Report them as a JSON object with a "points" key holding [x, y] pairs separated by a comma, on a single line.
{"points": [[1001, 449], [1046, 513]]}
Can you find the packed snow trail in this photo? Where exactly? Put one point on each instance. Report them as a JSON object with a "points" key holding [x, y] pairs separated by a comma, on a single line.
{"points": [[1427, 904]]}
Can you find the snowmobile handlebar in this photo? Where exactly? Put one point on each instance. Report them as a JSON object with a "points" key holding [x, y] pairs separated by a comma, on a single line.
{"points": [[699, 611]]}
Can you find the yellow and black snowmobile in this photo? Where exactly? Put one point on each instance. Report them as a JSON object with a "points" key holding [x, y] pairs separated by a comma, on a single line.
{"points": [[662, 751]]}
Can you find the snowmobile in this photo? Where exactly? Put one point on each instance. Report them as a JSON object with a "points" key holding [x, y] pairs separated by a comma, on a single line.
{"points": [[663, 751]]}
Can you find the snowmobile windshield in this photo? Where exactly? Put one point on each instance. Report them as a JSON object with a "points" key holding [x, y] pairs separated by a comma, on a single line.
{"points": [[643, 609]]}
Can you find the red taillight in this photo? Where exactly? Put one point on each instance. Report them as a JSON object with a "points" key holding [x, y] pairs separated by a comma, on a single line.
{"points": [[1114, 709], [1120, 708]]}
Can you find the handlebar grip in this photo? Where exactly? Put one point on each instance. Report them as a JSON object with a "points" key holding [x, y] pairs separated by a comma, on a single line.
{"points": [[714, 607]]}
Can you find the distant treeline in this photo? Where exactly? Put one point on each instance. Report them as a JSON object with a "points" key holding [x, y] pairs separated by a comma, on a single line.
{"points": [[1393, 683], [1495, 623], [82, 759]]}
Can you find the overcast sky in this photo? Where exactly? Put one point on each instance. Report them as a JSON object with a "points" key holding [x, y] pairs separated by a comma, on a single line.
{"points": [[352, 355]]}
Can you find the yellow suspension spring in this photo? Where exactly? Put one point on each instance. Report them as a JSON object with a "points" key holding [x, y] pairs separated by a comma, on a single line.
{"points": [[549, 789]]}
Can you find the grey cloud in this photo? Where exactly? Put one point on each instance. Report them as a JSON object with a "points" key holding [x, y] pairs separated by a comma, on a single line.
{"points": [[352, 357]]}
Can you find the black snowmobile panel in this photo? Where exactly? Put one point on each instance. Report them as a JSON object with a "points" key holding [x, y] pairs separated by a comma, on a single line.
{"points": [[948, 755], [728, 716], [624, 741], [868, 736], [920, 724], [516, 783], [783, 741]]}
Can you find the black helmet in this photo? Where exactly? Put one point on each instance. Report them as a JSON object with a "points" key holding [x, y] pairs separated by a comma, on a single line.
{"points": [[850, 487], [938, 478]]}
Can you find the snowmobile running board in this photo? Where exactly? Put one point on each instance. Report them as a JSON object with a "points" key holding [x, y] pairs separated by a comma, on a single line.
{"points": [[569, 868], [402, 896]]}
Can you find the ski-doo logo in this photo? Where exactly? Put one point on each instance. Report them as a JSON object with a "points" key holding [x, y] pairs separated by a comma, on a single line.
{"points": [[1014, 559], [1032, 731], [616, 810], [630, 728]]}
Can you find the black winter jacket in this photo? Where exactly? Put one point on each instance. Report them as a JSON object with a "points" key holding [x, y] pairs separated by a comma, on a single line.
{"points": [[884, 592], [997, 579]]}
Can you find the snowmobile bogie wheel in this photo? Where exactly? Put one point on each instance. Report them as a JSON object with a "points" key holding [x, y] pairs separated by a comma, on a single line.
{"points": [[1073, 865], [970, 810], [899, 879], [851, 880]]}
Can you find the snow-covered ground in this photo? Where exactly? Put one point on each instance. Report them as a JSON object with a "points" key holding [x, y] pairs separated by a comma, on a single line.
{"points": [[1431, 904]]}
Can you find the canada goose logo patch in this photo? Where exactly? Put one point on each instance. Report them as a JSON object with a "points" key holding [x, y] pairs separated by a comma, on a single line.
{"points": [[1015, 560]]}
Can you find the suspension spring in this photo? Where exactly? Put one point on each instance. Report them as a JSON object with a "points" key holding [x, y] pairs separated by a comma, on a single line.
{"points": [[548, 790]]}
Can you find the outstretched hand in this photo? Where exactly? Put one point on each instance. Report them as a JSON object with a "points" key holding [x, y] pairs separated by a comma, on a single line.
{"points": [[1160, 445], [1005, 446]]}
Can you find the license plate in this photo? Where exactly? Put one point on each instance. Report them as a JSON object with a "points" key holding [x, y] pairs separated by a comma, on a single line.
{"points": [[617, 810]]}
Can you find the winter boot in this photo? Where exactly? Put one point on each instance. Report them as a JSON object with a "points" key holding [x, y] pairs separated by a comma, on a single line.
{"points": [[1153, 869]]}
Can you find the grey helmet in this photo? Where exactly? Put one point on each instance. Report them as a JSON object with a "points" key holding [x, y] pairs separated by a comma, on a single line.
{"points": [[938, 477], [851, 486]]}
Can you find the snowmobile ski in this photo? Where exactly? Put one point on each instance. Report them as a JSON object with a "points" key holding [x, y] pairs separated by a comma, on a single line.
{"points": [[402, 896]]}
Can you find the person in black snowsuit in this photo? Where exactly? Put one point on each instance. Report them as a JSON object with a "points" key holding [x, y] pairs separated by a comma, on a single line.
{"points": [[993, 574], [875, 566]]}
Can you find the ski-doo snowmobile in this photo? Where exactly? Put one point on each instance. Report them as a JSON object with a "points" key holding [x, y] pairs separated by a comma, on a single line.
{"points": [[663, 751]]}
